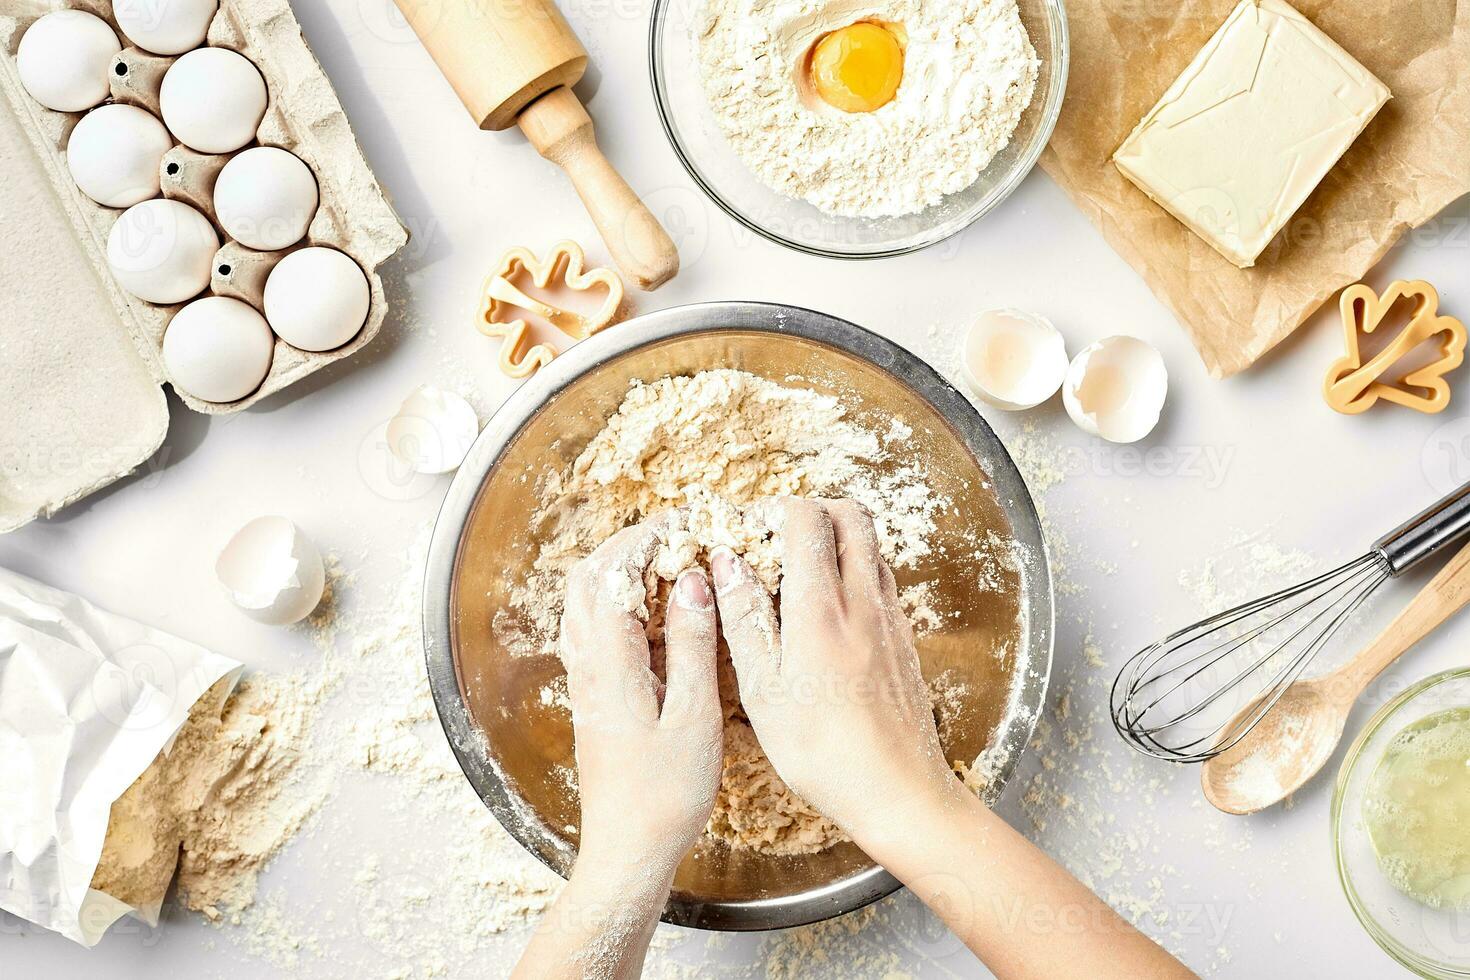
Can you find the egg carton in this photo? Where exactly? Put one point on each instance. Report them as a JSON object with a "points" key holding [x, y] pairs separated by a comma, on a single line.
{"points": [[81, 359], [303, 115]]}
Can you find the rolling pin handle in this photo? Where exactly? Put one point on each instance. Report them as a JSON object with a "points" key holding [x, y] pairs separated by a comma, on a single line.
{"points": [[560, 129]]}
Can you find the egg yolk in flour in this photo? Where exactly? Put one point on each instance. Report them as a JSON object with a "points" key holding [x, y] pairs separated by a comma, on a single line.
{"points": [[857, 68]]}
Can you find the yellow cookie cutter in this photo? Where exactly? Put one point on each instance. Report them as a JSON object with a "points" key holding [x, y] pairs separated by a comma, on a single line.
{"points": [[518, 358], [1353, 387]]}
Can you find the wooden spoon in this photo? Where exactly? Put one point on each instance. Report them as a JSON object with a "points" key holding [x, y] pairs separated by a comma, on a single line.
{"points": [[1296, 737]]}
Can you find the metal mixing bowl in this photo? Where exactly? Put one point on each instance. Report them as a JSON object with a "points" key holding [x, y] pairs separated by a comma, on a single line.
{"points": [[516, 749]]}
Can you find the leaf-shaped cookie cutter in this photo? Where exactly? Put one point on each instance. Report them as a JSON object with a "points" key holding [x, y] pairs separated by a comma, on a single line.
{"points": [[518, 357], [1353, 386]]}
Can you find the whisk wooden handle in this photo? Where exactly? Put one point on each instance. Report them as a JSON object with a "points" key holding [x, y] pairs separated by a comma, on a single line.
{"points": [[1444, 596]]}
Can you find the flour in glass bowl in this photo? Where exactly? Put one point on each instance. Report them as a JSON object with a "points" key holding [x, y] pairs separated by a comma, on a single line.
{"points": [[969, 72]]}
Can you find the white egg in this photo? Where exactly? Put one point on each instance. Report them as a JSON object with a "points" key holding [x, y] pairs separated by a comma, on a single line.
{"points": [[316, 299], [213, 100], [162, 251], [433, 430], [218, 349], [265, 198], [165, 26], [1012, 359], [1116, 389], [114, 154], [272, 571], [63, 60]]}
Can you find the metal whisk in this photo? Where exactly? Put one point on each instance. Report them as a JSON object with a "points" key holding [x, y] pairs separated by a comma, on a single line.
{"points": [[1199, 691]]}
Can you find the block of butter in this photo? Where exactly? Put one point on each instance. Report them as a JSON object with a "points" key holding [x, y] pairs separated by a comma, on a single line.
{"points": [[1250, 128]]}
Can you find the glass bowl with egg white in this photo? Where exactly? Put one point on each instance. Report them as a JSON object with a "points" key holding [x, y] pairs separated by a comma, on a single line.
{"points": [[1399, 812]]}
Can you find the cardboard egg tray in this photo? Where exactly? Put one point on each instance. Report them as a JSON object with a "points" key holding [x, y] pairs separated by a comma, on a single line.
{"points": [[303, 116]]}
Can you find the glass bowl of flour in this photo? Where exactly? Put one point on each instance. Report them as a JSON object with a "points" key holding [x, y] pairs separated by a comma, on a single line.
{"points": [[981, 90]]}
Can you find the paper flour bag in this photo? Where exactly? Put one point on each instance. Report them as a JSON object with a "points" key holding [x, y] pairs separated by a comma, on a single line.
{"points": [[88, 702]]}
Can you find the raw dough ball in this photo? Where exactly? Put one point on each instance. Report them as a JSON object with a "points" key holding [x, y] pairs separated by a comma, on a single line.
{"points": [[161, 251], [114, 154], [316, 299], [265, 198], [213, 100], [165, 26], [218, 349], [63, 60]]}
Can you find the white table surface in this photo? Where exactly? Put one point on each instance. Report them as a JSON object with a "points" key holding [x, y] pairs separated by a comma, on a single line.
{"points": [[1246, 482]]}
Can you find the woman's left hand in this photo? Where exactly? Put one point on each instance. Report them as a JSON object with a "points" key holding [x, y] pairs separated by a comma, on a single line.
{"points": [[649, 753], [648, 757]]}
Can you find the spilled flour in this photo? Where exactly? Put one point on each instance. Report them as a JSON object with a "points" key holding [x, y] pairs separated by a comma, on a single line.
{"points": [[288, 759], [215, 804], [720, 445]]}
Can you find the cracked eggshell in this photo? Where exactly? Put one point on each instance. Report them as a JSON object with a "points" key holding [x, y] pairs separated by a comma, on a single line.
{"points": [[1116, 389], [63, 60], [265, 198], [213, 100], [433, 430], [165, 26], [114, 154], [272, 571], [1013, 359]]}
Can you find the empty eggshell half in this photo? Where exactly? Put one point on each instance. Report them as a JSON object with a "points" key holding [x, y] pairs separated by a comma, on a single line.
{"points": [[213, 100], [265, 198], [272, 571], [1116, 389], [63, 59], [114, 154], [433, 430], [165, 26], [1012, 359]]}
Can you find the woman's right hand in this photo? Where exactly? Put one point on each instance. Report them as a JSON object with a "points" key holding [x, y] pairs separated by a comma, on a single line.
{"points": [[838, 703], [834, 691]]}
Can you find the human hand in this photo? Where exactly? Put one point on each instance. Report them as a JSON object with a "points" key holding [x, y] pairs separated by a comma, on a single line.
{"points": [[648, 753], [834, 691]]}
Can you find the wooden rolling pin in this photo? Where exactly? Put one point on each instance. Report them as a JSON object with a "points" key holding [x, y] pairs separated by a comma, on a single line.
{"points": [[513, 62]]}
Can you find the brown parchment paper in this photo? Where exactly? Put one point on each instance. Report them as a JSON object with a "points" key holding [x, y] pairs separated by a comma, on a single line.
{"points": [[1409, 164]]}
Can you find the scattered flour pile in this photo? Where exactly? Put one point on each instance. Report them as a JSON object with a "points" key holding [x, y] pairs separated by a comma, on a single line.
{"points": [[239, 787], [216, 806], [719, 445]]}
